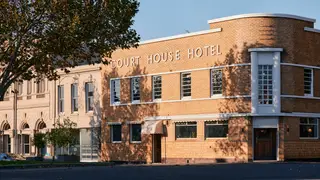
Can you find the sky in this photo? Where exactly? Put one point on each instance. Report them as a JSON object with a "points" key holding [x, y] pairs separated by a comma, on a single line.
{"points": [[161, 18]]}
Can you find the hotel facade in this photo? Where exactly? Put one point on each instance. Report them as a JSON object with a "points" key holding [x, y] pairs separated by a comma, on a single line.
{"points": [[246, 89]]}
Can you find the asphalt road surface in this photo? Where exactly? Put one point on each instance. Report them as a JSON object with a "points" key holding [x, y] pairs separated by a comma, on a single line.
{"points": [[192, 172]]}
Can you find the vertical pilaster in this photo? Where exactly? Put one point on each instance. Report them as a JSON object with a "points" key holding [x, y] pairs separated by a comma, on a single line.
{"points": [[254, 82]]}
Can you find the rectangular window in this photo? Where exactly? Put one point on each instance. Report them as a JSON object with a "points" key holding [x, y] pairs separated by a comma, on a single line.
{"points": [[60, 99], [309, 127], [156, 87], [135, 133], [115, 91], [29, 87], [308, 82], [216, 82], [115, 133], [265, 84], [89, 96], [19, 88], [185, 85], [186, 130], [26, 144], [216, 129], [74, 97], [41, 86], [135, 89]]}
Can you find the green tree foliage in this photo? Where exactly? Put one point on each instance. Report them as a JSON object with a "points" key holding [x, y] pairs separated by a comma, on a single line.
{"points": [[38, 37], [63, 134], [39, 141]]}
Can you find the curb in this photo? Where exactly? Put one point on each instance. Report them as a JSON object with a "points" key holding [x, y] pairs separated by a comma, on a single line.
{"points": [[48, 165]]}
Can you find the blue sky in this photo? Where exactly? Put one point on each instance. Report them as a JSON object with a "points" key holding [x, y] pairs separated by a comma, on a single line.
{"points": [[161, 18]]}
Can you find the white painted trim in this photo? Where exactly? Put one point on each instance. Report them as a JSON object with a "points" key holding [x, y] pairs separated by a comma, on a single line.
{"points": [[265, 49], [300, 97], [228, 115], [184, 99], [114, 123], [181, 36], [253, 15], [312, 29], [181, 71], [300, 65]]}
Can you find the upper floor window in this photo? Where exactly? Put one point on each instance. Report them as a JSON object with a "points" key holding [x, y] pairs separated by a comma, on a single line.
{"points": [[135, 89], [309, 127], [89, 96], [265, 84], [74, 97], [41, 86], [60, 99], [115, 91], [186, 129], [308, 82], [185, 85], [29, 87], [156, 87], [216, 81]]}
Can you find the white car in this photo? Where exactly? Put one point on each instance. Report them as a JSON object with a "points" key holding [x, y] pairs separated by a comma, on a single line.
{"points": [[5, 157]]}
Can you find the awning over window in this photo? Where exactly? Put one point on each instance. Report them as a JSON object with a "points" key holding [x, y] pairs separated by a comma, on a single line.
{"points": [[152, 127]]}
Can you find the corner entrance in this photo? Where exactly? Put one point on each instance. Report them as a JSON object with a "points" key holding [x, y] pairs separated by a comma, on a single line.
{"points": [[265, 144]]}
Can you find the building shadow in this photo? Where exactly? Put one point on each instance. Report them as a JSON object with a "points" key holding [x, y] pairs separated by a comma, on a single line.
{"points": [[126, 114]]}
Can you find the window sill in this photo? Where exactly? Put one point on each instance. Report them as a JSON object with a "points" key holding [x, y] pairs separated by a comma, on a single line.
{"points": [[216, 138], [116, 142], [186, 98], [308, 95], [216, 96], [115, 104], [74, 114], [157, 100], [135, 102], [186, 139], [135, 142], [309, 138]]}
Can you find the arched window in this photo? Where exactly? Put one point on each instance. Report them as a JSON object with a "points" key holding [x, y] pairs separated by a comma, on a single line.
{"points": [[42, 125], [6, 126], [25, 126]]}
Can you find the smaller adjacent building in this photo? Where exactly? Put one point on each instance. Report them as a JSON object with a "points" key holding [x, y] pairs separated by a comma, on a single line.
{"points": [[75, 95]]}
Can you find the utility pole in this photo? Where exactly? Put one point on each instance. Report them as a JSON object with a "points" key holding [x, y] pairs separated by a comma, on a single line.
{"points": [[15, 132]]}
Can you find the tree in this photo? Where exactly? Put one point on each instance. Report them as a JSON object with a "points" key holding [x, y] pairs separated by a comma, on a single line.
{"points": [[39, 37], [39, 141], [63, 134]]}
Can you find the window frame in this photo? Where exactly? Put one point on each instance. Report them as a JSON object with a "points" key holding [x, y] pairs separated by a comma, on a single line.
{"points": [[182, 86], [41, 86], [311, 82], [111, 133], [26, 143], [60, 99], [261, 96], [308, 124], [132, 83], [217, 123], [211, 82], [135, 142], [29, 87], [114, 91], [74, 97], [154, 88], [88, 98], [188, 124]]}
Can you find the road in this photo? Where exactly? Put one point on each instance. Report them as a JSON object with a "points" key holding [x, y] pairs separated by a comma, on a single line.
{"points": [[191, 172]]}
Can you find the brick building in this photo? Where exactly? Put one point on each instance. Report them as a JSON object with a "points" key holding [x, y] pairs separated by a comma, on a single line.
{"points": [[246, 89]]}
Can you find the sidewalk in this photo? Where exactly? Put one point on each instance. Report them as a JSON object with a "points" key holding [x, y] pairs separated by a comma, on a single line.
{"points": [[54, 165]]}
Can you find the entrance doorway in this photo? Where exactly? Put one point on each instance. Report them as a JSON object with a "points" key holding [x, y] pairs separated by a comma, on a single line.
{"points": [[265, 144], [156, 148]]}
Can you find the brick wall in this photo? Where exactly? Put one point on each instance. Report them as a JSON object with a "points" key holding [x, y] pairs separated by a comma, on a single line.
{"points": [[294, 146], [236, 147]]}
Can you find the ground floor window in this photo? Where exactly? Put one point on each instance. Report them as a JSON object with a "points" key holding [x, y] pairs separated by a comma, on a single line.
{"points": [[26, 144], [216, 129], [135, 133], [308, 127], [115, 133], [186, 130]]}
